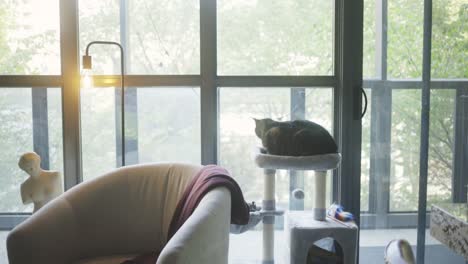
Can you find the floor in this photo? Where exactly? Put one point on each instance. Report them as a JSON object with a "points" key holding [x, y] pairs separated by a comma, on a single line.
{"points": [[3, 254], [247, 248]]}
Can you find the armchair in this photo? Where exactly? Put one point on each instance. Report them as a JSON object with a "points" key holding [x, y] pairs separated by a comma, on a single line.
{"points": [[122, 214]]}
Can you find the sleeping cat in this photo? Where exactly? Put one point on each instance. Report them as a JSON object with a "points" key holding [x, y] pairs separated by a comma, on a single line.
{"points": [[294, 138]]}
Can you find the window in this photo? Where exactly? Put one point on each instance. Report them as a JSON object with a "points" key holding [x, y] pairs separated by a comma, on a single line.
{"points": [[30, 97], [196, 72]]}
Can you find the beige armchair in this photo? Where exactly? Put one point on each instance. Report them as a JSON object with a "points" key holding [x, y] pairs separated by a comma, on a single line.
{"points": [[122, 214]]}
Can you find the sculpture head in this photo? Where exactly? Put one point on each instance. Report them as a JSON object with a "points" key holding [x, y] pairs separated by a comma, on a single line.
{"points": [[262, 126], [30, 162]]}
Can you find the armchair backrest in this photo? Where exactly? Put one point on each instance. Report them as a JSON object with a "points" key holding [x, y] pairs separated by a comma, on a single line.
{"points": [[129, 209]]}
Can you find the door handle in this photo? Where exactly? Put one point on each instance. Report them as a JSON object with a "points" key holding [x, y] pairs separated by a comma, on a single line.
{"points": [[364, 110]]}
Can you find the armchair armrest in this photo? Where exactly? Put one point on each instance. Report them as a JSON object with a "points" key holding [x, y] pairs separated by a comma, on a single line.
{"points": [[204, 237], [36, 240]]}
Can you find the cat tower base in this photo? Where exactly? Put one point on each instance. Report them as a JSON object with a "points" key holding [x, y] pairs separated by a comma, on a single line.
{"points": [[320, 164]]}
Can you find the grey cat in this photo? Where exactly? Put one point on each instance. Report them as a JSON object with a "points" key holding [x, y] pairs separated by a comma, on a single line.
{"points": [[294, 138]]}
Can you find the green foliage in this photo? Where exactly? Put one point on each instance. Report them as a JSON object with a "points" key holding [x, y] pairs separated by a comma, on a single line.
{"points": [[24, 50], [450, 39], [266, 37]]}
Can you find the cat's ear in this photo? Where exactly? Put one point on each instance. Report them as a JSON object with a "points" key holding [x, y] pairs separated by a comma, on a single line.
{"points": [[259, 126]]}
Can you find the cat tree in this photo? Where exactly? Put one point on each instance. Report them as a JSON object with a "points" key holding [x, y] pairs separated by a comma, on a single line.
{"points": [[320, 164]]}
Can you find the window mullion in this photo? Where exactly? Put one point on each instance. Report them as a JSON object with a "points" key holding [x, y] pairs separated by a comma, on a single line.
{"points": [[131, 99], [460, 162], [70, 92], [209, 94], [380, 155], [32, 81], [296, 178], [424, 144], [40, 125], [381, 15]]}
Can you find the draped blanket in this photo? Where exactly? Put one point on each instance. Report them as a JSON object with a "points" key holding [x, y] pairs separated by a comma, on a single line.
{"points": [[207, 179]]}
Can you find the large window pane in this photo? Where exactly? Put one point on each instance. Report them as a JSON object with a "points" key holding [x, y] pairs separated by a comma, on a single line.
{"points": [[164, 36], [400, 182], [99, 20], [237, 130], [405, 31], [157, 129], [442, 177], [263, 37], [21, 133], [441, 146], [405, 148], [98, 131], [169, 124], [405, 142], [29, 37], [369, 60], [159, 36], [238, 141], [449, 39]]}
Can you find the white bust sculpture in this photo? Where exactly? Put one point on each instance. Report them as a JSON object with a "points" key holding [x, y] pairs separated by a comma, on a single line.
{"points": [[42, 185]]}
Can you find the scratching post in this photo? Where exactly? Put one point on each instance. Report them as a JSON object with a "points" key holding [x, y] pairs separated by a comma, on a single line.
{"points": [[269, 205], [320, 164], [320, 195]]}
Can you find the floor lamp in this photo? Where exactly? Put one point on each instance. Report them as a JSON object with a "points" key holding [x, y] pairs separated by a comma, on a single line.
{"points": [[87, 81]]}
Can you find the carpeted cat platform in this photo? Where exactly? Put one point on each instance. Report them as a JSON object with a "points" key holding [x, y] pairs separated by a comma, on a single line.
{"points": [[315, 163]]}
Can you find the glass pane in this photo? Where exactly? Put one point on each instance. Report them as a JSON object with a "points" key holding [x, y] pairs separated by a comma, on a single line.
{"points": [[157, 128], [390, 148], [369, 42], [164, 37], [405, 142], [264, 37], [167, 131], [399, 183], [237, 143], [99, 20], [365, 153], [441, 146], [405, 148], [405, 31], [29, 37], [237, 128], [21, 133], [159, 37], [441, 173], [449, 39], [98, 131]]}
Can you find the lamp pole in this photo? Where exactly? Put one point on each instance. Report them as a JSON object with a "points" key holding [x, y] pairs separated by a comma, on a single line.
{"points": [[87, 64]]}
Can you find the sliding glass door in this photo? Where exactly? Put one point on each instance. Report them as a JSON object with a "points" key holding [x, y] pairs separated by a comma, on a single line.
{"points": [[390, 165]]}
